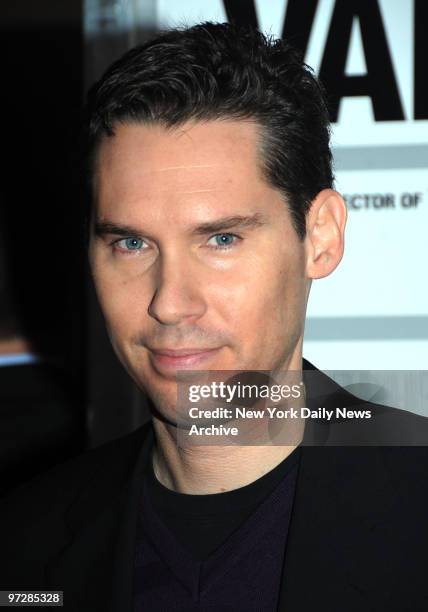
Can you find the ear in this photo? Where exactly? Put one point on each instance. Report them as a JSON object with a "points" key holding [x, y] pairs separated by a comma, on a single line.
{"points": [[325, 228]]}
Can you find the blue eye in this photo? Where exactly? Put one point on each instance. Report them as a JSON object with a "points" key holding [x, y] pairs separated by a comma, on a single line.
{"points": [[133, 243], [223, 240], [129, 244]]}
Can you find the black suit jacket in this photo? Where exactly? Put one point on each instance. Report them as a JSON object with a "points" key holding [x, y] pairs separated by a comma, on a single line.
{"points": [[358, 537]]}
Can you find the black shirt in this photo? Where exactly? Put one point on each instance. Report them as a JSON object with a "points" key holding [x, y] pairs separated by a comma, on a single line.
{"points": [[201, 523], [214, 552]]}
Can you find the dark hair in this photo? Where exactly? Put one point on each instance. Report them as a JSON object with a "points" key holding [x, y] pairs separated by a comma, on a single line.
{"points": [[218, 71]]}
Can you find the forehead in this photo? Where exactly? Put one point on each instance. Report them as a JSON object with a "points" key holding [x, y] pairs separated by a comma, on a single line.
{"points": [[166, 180], [193, 157]]}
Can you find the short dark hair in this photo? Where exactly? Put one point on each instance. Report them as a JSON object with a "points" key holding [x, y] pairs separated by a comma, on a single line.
{"points": [[220, 71]]}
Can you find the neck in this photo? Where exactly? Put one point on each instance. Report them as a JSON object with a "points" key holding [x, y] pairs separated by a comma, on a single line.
{"points": [[207, 469]]}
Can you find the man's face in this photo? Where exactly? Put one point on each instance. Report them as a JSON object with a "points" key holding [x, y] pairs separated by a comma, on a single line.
{"points": [[195, 259]]}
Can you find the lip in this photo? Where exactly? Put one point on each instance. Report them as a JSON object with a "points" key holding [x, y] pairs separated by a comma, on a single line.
{"points": [[171, 359]]}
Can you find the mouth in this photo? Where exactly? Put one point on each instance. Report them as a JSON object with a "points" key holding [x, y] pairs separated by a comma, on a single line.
{"points": [[174, 359]]}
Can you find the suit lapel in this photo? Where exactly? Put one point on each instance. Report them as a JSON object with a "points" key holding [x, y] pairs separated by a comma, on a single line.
{"points": [[94, 564], [342, 495], [123, 572], [340, 525]]}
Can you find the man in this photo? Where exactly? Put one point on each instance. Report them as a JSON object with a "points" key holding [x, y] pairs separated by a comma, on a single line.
{"points": [[213, 210]]}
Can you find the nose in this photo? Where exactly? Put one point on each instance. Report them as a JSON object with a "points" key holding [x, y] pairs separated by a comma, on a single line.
{"points": [[178, 294]]}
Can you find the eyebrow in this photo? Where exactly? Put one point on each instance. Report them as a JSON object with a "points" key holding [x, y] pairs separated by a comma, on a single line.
{"points": [[103, 228], [227, 223]]}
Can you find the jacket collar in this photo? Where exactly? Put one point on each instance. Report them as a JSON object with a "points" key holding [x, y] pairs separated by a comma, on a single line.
{"points": [[342, 523], [95, 539], [340, 503]]}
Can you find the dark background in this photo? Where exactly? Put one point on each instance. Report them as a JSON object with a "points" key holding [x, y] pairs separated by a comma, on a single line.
{"points": [[42, 86], [42, 289]]}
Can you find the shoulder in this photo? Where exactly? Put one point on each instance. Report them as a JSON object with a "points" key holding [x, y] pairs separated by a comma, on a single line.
{"points": [[363, 483], [48, 518], [105, 467], [347, 420]]}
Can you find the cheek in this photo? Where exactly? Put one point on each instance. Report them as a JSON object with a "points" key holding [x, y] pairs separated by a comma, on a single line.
{"points": [[265, 300], [231, 298], [121, 300]]}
